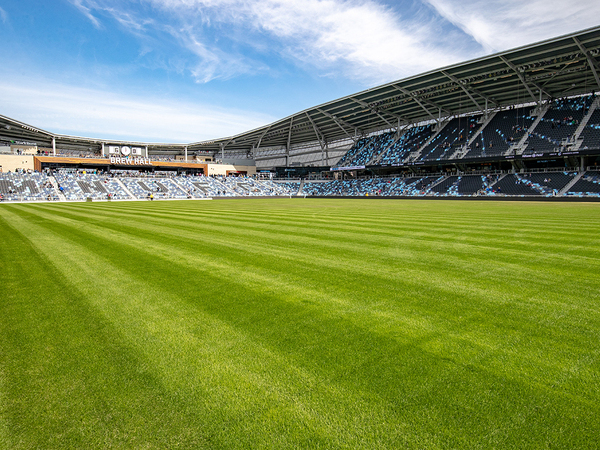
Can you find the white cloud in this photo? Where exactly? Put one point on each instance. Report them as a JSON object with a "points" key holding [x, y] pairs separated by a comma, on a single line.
{"points": [[363, 40], [94, 113], [3, 15], [366, 40], [503, 24], [359, 39], [86, 10]]}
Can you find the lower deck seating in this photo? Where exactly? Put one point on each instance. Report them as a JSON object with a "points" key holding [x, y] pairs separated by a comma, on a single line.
{"points": [[513, 185], [549, 183], [78, 186], [26, 187], [288, 187], [587, 185], [36, 187], [471, 185]]}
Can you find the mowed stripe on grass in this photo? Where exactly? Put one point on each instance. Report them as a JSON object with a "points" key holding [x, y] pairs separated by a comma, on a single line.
{"points": [[306, 323]]}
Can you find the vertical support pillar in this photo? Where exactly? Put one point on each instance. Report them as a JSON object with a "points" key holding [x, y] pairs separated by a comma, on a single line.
{"points": [[185, 152], [581, 163], [146, 149], [53, 146], [222, 153], [103, 151]]}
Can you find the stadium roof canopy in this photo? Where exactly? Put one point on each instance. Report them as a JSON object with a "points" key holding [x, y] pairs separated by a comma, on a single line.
{"points": [[564, 66]]}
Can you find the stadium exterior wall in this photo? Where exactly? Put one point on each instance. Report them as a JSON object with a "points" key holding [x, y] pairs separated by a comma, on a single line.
{"points": [[13, 162]]}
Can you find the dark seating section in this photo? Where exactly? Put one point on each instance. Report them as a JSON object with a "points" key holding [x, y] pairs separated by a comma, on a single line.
{"points": [[453, 136], [513, 185], [464, 185], [558, 124], [591, 132], [446, 186], [588, 184], [506, 128], [412, 140], [470, 184], [549, 182]]}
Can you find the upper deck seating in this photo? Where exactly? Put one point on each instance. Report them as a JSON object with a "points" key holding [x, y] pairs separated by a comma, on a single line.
{"points": [[505, 129], [591, 132], [366, 149], [410, 141], [558, 124], [453, 136]]}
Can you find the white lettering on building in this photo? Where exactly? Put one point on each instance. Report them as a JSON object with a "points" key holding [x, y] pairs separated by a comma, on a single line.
{"points": [[130, 161]]}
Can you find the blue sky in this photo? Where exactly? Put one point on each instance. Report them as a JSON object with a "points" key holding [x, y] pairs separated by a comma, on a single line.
{"points": [[190, 70]]}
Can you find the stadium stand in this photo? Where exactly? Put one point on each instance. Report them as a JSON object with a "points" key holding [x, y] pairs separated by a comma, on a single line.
{"points": [[591, 133], [548, 183], [505, 129], [164, 188], [410, 141], [587, 185], [512, 184], [366, 149], [559, 124], [27, 187], [471, 185], [288, 187], [66, 186], [453, 136], [81, 186]]}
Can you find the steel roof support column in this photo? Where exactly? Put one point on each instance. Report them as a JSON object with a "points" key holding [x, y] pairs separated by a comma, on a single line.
{"points": [[453, 78], [339, 123], [522, 78], [471, 89], [414, 97], [591, 60], [289, 140], [185, 152], [375, 111], [262, 136], [53, 146], [103, 151], [318, 132]]}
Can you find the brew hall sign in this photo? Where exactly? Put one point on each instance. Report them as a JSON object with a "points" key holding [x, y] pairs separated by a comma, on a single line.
{"points": [[131, 156]]}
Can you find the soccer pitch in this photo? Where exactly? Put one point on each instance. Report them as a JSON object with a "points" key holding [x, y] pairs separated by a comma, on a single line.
{"points": [[300, 323]]}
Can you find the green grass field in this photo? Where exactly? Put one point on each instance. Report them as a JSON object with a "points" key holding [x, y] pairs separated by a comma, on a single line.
{"points": [[300, 323]]}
